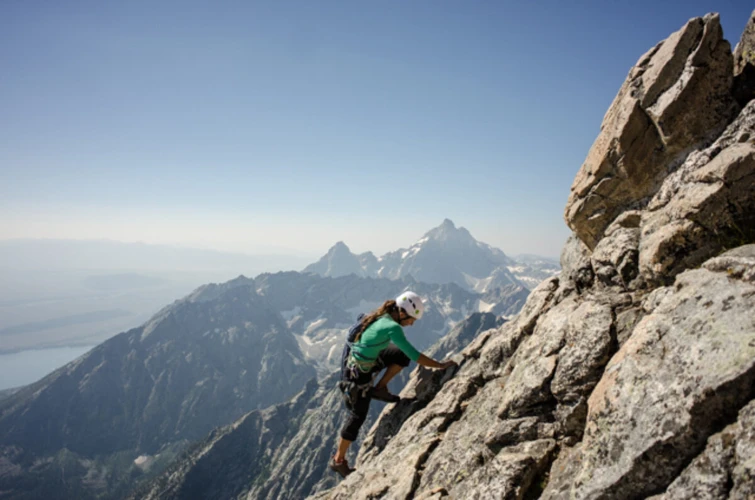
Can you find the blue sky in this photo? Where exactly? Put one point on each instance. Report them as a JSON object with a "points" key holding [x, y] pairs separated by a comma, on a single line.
{"points": [[252, 126]]}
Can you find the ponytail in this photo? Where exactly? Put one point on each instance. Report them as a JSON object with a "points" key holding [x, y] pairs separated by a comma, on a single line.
{"points": [[388, 307]]}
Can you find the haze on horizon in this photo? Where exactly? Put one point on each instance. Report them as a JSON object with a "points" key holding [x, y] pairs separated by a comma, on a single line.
{"points": [[252, 127]]}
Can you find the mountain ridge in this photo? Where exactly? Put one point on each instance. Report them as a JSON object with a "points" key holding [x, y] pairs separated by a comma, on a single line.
{"points": [[140, 397], [127, 407], [445, 254]]}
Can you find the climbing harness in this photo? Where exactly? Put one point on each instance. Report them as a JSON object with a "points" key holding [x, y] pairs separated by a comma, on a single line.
{"points": [[351, 391]]}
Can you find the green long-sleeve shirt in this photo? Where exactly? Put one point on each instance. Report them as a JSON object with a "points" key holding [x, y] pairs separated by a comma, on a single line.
{"points": [[378, 336]]}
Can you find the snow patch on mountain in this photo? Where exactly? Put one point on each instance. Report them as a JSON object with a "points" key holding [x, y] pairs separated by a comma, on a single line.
{"points": [[483, 306], [290, 314], [314, 326]]}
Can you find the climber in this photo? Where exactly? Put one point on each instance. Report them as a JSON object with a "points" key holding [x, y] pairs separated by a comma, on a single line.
{"points": [[368, 351]]}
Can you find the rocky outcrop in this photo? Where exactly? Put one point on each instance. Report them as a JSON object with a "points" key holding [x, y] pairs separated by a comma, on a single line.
{"points": [[705, 206], [686, 370], [676, 98], [632, 374]]}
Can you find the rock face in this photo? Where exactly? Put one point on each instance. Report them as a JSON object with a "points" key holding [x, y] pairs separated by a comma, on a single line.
{"points": [[725, 469], [676, 98], [632, 374], [705, 206], [682, 375], [124, 410]]}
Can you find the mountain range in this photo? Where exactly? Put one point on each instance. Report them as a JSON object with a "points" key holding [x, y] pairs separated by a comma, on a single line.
{"points": [[445, 254], [147, 392], [126, 409]]}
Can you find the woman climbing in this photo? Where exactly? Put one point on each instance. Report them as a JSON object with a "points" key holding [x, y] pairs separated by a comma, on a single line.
{"points": [[367, 352]]}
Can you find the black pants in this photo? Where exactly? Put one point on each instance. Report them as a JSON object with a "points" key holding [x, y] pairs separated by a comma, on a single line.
{"points": [[359, 406]]}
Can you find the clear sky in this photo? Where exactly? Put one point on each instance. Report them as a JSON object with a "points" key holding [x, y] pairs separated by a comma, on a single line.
{"points": [[252, 126]]}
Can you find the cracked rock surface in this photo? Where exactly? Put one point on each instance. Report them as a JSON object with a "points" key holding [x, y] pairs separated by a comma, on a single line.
{"points": [[675, 99]]}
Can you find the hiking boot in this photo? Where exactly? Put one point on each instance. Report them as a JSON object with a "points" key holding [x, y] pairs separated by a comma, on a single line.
{"points": [[382, 394], [341, 467]]}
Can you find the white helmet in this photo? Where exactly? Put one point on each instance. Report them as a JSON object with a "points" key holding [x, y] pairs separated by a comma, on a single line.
{"points": [[411, 303]]}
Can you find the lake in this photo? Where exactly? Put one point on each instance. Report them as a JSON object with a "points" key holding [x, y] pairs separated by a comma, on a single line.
{"points": [[25, 367]]}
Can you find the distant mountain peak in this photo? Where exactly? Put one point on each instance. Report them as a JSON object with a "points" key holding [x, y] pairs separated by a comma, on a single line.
{"points": [[340, 246], [339, 261], [447, 231], [447, 227]]}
